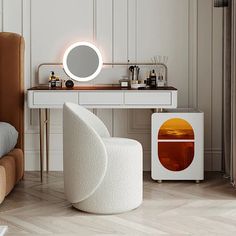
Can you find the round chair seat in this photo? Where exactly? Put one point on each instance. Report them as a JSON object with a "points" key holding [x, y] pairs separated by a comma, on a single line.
{"points": [[122, 187]]}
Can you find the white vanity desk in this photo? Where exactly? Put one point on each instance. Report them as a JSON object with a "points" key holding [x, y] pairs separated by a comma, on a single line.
{"points": [[44, 98]]}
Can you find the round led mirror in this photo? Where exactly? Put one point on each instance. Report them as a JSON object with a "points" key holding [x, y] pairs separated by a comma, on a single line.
{"points": [[82, 61]]}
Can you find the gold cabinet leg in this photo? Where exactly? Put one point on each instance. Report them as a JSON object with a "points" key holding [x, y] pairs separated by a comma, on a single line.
{"points": [[41, 131], [47, 137], [157, 110]]}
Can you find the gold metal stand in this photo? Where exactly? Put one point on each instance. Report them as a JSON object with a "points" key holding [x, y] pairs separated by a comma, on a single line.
{"points": [[112, 64]]}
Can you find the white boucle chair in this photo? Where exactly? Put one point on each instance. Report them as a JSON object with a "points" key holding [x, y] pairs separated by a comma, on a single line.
{"points": [[102, 174]]}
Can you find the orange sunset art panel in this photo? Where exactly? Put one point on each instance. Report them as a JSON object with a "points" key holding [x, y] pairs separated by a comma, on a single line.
{"points": [[176, 144]]}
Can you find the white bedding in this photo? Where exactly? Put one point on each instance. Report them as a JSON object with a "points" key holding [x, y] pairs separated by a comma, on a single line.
{"points": [[8, 138]]}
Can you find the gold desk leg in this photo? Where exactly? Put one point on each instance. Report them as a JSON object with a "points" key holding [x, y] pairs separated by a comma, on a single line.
{"points": [[47, 137], [41, 124]]}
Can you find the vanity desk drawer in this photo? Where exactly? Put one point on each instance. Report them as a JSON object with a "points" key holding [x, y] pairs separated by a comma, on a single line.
{"points": [[148, 98], [101, 98], [54, 98]]}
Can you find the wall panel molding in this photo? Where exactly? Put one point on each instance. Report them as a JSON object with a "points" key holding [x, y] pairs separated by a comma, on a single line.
{"points": [[94, 20], [12, 16], [131, 31], [2, 14], [137, 127], [204, 85], [193, 54], [217, 78]]}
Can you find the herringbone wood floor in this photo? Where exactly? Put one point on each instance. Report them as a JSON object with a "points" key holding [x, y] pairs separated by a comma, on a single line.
{"points": [[170, 208]]}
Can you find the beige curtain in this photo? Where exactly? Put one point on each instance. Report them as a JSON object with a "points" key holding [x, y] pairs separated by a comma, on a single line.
{"points": [[229, 92]]}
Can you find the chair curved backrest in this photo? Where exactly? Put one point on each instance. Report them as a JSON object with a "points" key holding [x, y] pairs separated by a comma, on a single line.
{"points": [[84, 153], [90, 119]]}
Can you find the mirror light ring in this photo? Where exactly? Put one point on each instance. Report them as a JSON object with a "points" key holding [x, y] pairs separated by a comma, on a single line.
{"points": [[77, 78]]}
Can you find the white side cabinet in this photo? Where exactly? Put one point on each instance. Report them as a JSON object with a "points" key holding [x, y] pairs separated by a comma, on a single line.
{"points": [[177, 145]]}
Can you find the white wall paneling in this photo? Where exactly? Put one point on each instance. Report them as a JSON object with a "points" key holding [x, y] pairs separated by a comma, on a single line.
{"points": [[187, 31]]}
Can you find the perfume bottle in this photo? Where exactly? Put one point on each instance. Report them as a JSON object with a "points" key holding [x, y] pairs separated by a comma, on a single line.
{"points": [[147, 80], [52, 80], [58, 82], [160, 81], [153, 79]]}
